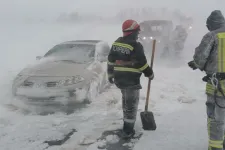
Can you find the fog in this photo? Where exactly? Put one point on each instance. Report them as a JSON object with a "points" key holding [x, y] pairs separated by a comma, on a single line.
{"points": [[12, 9], [29, 28], [15, 17]]}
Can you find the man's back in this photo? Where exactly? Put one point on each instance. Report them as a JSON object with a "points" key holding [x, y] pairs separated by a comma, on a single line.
{"points": [[126, 62], [129, 62], [213, 43]]}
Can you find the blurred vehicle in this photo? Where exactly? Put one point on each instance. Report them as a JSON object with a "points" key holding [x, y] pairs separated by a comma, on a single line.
{"points": [[72, 70], [176, 42], [187, 23], [155, 29]]}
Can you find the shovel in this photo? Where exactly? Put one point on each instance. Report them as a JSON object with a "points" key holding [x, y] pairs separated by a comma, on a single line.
{"points": [[147, 117]]}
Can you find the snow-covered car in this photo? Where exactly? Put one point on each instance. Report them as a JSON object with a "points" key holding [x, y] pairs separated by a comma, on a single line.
{"points": [[72, 70], [155, 29]]}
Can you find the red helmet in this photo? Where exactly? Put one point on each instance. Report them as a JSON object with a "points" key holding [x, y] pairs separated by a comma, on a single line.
{"points": [[129, 26]]}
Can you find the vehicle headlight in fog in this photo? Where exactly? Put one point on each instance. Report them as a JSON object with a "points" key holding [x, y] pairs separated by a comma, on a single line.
{"points": [[144, 38], [70, 81], [190, 28], [151, 37]]}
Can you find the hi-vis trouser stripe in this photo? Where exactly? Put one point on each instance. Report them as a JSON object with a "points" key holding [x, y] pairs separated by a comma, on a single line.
{"points": [[126, 69], [210, 89], [124, 45], [220, 63], [213, 144]]}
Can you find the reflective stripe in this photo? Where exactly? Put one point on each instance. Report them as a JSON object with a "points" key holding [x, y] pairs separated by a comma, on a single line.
{"points": [[139, 70], [132, 27], [110, 63], [210, 89], [221, 35], [124, 45], [127, 69], [213, 143], [221, 52], [129, 120], [216, 144], [220, 56], [143, 67], [220, 64]]}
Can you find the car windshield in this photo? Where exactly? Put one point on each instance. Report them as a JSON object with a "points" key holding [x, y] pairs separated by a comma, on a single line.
{"points": [[78, 53], [154, 30]]}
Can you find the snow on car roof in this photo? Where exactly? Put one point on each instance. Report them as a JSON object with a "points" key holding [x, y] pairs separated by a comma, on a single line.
{"points": [[153, 22], [90, 42]]}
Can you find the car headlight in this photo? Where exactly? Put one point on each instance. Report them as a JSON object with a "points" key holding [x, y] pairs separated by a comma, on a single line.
{"points": [[144, 38], [70, 81], [190, 28]]}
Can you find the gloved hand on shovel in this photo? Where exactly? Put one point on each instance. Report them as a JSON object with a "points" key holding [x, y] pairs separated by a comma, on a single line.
{"points": [[152, 76]]}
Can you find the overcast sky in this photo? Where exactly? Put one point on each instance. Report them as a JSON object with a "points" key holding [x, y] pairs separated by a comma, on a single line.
{"points": [[48, 8]]}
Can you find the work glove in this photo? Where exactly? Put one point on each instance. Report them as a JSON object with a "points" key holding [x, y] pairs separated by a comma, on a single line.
{"points": [[151, 77], [192, 65], [205, 78], [111, 80]]}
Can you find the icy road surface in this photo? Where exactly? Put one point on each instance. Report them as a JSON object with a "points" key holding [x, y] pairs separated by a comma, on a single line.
{"points": [[177, 98]]}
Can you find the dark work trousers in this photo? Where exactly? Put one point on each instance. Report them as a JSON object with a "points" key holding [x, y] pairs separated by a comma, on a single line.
{"points": [[130, 102]]}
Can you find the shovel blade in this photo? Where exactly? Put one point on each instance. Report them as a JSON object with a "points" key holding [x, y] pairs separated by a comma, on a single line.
{"points": [[148, 120]]}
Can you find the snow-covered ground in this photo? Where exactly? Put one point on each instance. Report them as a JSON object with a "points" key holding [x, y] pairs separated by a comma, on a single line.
{"points": [[177, 96]]}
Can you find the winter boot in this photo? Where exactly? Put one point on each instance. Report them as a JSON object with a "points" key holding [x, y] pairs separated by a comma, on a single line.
{"points": [[128, 130]]}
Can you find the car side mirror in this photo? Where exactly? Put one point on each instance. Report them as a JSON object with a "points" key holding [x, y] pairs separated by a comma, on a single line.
{"points": [[101, 58], [38, 57]]}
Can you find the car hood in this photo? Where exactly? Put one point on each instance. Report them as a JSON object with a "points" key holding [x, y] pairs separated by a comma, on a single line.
{"points": [[56, 69]]}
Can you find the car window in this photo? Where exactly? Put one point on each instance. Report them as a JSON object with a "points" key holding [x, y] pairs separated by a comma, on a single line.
{"points": [[157, 28], [77, 52]]}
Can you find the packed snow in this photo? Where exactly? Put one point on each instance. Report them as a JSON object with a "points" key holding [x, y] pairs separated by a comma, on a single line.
{"points": [[177, 96]]}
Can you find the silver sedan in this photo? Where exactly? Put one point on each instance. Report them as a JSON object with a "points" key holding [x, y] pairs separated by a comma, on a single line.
{"points": [[70, 71]]}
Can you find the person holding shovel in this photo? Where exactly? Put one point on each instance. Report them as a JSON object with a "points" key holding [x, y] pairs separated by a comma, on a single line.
{"points": [[209, 57], [126, 63]]}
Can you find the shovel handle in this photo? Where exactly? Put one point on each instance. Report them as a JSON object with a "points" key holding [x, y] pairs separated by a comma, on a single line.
{"points": [[149, 81]]}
